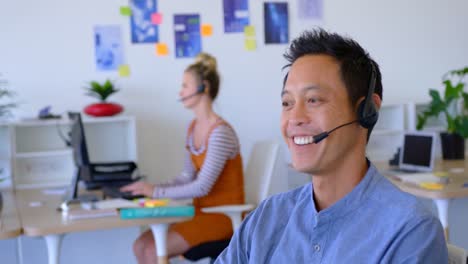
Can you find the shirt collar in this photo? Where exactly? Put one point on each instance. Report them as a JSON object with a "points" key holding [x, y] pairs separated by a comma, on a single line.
{"points": [[350, 202]]}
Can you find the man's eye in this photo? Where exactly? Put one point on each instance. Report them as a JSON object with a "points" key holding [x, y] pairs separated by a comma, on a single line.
{"points": [[313, 100], [285, 104]]}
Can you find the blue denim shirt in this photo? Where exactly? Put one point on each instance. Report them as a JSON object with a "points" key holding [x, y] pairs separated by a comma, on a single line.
{"points": [[374, 223]]}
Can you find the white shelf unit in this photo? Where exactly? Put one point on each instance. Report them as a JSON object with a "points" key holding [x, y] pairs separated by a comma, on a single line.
{"points": [[40, 157], [388, 132], [432, 124]]}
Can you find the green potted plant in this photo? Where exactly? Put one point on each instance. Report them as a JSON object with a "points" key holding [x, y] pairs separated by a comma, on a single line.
{"points": [[454, 106], [102, 92]]}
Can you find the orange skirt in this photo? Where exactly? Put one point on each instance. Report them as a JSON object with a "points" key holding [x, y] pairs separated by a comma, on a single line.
{"points": [[204, 228]]}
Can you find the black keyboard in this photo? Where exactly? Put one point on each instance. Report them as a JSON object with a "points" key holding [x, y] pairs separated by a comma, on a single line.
{"points": [[114, 192]]}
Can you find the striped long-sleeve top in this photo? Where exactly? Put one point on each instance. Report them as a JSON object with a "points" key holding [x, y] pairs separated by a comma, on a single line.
{"points": [[223, 145]]}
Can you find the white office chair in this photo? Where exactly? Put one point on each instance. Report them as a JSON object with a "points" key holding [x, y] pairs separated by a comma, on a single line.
{"points": [[258, 185], [456, 255]]}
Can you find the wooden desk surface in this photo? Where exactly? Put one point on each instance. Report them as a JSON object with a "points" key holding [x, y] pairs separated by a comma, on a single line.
{"points": [[10, 224], [454, 189], [46, 219]]}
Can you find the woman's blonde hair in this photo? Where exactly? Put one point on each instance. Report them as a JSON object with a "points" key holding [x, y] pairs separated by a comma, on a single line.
{"points": [[205, 69]]}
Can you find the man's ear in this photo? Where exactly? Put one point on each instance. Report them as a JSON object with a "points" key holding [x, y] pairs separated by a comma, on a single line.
{"points": [[375, 98], [356, 106], [377, 101]]}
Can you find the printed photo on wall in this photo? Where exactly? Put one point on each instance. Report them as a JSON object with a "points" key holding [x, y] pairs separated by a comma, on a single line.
{"points": [[310, 9], [236, 15], [143, 30], [276, 22], [108, 47], [187, 35]]}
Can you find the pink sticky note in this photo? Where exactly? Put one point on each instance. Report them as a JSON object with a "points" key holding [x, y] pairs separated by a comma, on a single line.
{"points": [[156, 18]]}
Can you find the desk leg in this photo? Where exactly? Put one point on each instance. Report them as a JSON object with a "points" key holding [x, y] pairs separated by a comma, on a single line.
{"points": [[442, 210], [160, 237], [19, 250], [53, 247]]}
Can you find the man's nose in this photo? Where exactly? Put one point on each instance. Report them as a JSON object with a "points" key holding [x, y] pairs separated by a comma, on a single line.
{"points": [[298, 115]]}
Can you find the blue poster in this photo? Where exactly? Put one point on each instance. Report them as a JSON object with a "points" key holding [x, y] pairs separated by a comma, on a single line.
{"points": [[276, 22], [143, 31], [108, 47], [187, 35], [236, 15], [310, 9]]}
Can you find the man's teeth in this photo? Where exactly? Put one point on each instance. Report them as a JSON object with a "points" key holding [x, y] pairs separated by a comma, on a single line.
{"points": [[303, 140]]}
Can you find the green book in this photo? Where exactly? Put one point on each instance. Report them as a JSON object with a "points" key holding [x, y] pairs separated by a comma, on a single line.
{"points": [[162, 211]]}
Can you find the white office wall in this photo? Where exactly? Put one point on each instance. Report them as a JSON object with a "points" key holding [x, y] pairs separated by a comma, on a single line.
{"points": [[47, 53]]}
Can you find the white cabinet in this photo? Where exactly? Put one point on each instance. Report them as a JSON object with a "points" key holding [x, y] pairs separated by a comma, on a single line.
{"points": [[387, 135], [39, 157], [436, 124], [394, 120]]}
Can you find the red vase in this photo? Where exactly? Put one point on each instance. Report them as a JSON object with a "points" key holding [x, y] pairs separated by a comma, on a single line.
{"points": [[103, 109]]}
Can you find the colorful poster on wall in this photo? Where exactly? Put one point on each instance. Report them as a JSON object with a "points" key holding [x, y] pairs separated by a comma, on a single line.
{"points": [[310, 9], [276, 22], [108, 47], [187, 35], [236, 15], [142, 27]]}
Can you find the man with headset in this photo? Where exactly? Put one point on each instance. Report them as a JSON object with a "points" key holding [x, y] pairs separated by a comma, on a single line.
{"points": [[349, 212]]}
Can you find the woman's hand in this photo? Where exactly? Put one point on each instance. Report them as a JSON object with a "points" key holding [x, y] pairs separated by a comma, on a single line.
{"points": [[139, 188]]}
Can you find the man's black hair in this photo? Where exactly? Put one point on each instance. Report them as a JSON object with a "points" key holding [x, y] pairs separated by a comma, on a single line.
{"points": [[355, 62]]}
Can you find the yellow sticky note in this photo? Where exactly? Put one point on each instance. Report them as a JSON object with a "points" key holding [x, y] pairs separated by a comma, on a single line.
{"points": [[431, 185], [206, 30], [124, 70], [156, 202], [250, 44], [125, 11], [249, 31], [162, 49], [441, 174]]}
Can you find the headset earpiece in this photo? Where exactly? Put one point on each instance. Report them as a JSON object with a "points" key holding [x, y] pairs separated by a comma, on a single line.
{"points": [[201, 89], [367, 119], [367, 111]]}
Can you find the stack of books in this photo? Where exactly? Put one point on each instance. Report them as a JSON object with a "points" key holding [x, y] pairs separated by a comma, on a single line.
{"points": [[158, 208], [131, 210]]}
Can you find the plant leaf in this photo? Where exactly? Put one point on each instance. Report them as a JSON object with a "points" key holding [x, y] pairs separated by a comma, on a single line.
{"points": [[451, 123], [452, 92], [465, 100], [437, 105], [421, 121], [101, 91], [460, 72], [461, 126]]}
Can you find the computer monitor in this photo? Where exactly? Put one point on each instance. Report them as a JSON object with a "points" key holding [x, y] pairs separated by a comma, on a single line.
{"points": [[95, 175], [418, 151], [80, 153]]}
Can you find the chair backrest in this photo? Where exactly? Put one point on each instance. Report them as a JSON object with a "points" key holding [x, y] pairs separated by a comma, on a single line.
{"points": [[258, 177], [456, 255]]}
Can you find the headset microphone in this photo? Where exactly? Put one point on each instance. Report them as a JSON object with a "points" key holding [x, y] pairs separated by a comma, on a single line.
{"points": [[200, 90], [319, 137]]}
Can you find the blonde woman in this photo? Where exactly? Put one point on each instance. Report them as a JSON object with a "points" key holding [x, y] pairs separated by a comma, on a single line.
{"points": [[212, 173]]}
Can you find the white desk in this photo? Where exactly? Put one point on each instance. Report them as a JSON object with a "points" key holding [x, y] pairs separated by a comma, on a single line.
{"points": [[454, 189], [10, 225], [46, 221]]}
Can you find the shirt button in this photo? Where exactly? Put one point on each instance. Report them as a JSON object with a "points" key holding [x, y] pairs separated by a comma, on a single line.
{"points": [[317, 247]]}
